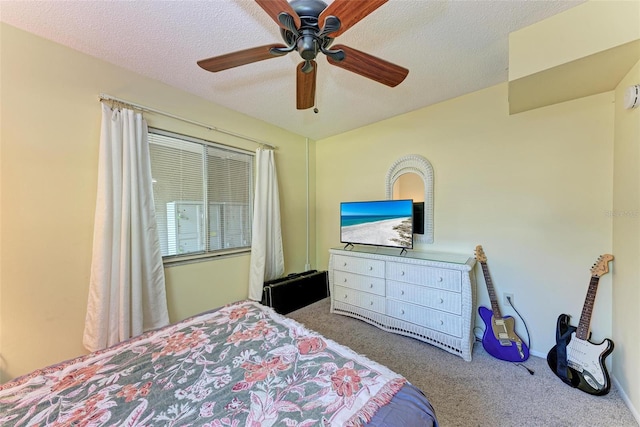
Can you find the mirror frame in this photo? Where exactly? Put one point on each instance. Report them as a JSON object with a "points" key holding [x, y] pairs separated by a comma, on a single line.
{"points": [[417, 164]]}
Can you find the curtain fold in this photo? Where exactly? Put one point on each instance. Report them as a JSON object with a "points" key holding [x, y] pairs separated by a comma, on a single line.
{"points": [[267, 256], [127, 289]]}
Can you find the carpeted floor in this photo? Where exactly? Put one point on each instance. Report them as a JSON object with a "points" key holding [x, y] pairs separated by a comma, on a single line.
{"points": [[483, 392]]}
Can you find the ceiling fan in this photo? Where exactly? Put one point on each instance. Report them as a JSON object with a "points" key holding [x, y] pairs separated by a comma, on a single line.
{"points": [[309, 27]]}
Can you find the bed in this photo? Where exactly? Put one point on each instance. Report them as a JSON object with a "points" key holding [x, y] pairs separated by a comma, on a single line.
{"points": [[240, 365]]}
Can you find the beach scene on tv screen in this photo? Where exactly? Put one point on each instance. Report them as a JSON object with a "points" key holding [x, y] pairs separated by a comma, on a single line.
{"points": [[381, 223]]}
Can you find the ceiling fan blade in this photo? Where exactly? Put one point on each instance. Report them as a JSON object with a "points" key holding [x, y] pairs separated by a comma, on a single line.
{"points": [[349, 12], [275, 7], [241, 57], [369, 66], [305, 86]]}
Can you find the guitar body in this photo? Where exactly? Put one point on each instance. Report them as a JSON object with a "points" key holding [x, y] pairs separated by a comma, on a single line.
{"points": [[574, 359], [586, 368], [500, 339]]}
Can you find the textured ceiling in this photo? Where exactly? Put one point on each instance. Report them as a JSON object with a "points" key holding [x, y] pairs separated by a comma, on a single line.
{"points": [[450, 47]]}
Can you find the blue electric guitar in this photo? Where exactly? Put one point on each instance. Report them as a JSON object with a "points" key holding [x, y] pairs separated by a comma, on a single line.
{"points": [[499, 339]]}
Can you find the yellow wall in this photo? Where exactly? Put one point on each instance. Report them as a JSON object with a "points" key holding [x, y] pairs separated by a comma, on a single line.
{"points": [[533, 189], [538, 190], [557, 40], [626, 244], [49, 144]]}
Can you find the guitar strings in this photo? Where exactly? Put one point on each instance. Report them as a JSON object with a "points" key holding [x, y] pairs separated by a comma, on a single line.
{"points": [[522, 319]]}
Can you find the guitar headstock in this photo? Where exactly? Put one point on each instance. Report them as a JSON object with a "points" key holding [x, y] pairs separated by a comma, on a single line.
{"points": [[601, 267], [480, 256]]}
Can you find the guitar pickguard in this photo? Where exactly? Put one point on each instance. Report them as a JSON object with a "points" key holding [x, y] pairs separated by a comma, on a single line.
{"points": [[587, 358], [504, 330]]}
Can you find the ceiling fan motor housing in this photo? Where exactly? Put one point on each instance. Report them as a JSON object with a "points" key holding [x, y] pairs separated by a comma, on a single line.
{"points": [[307, 42]]}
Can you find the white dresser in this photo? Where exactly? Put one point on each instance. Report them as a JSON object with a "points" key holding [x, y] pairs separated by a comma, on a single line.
{"points": [[427, 296]]}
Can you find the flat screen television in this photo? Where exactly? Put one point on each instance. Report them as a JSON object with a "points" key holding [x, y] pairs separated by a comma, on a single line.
{"points": [[378, 223]]}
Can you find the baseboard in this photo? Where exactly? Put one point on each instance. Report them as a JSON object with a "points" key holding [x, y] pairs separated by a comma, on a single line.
{"points": [[623, 395], [537, 354], [626, 399]]}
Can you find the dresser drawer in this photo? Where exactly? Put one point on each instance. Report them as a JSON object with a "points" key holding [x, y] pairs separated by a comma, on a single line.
{"points": [[360, 299], [430, 318], [429, 297], [375, 285], [368, 267], [441, 278]]}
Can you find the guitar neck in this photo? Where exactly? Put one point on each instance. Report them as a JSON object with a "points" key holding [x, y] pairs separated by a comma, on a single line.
{"points": [[491, 291], [582, 331]]}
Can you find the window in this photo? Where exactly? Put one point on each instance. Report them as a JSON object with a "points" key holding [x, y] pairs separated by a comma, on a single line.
{"points": [[203, 194]]}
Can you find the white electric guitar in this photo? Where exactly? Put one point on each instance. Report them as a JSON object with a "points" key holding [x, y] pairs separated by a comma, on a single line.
{"points": [[586, 369]]}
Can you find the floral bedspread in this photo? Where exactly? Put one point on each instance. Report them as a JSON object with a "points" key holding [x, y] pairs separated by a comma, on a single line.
{"points": [[241, 365]]}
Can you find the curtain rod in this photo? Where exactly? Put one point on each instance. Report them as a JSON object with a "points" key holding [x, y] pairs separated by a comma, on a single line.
{"points": [[105, 97]]}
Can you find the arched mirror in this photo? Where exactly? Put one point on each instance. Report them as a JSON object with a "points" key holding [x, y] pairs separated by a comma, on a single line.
{"points": [[411, 177]]}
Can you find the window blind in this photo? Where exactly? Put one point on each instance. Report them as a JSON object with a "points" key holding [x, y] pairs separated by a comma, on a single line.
{"points": [[203, 194]]}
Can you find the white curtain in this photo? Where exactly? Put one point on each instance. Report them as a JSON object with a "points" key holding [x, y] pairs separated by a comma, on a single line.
{"points": [[127, 291], [267, 257]]}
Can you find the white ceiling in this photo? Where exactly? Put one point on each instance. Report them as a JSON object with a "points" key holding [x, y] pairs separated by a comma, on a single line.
{"points": [[451, 47]]}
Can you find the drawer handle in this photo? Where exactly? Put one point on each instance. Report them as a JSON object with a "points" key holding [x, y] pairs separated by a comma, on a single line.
{"points": [[371, 285], [440, 279], [370, 302], [402, 273], [345, 296], [401, 311], [401, 292], [441, 300], [345, 280], [370, 268], [344, 265], [442, 322]]}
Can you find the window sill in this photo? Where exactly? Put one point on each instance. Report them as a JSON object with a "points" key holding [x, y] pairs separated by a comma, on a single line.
{"points": [[171, 261]]}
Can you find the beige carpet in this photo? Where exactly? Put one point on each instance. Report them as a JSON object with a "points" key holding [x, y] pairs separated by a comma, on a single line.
{"points": [[483, 392]]}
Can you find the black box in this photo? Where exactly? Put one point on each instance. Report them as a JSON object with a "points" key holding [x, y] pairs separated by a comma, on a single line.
{"points": [[295, 291]]}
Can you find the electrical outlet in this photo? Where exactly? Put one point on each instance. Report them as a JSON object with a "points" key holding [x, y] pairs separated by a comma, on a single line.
{"points": [[508, 297]]}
